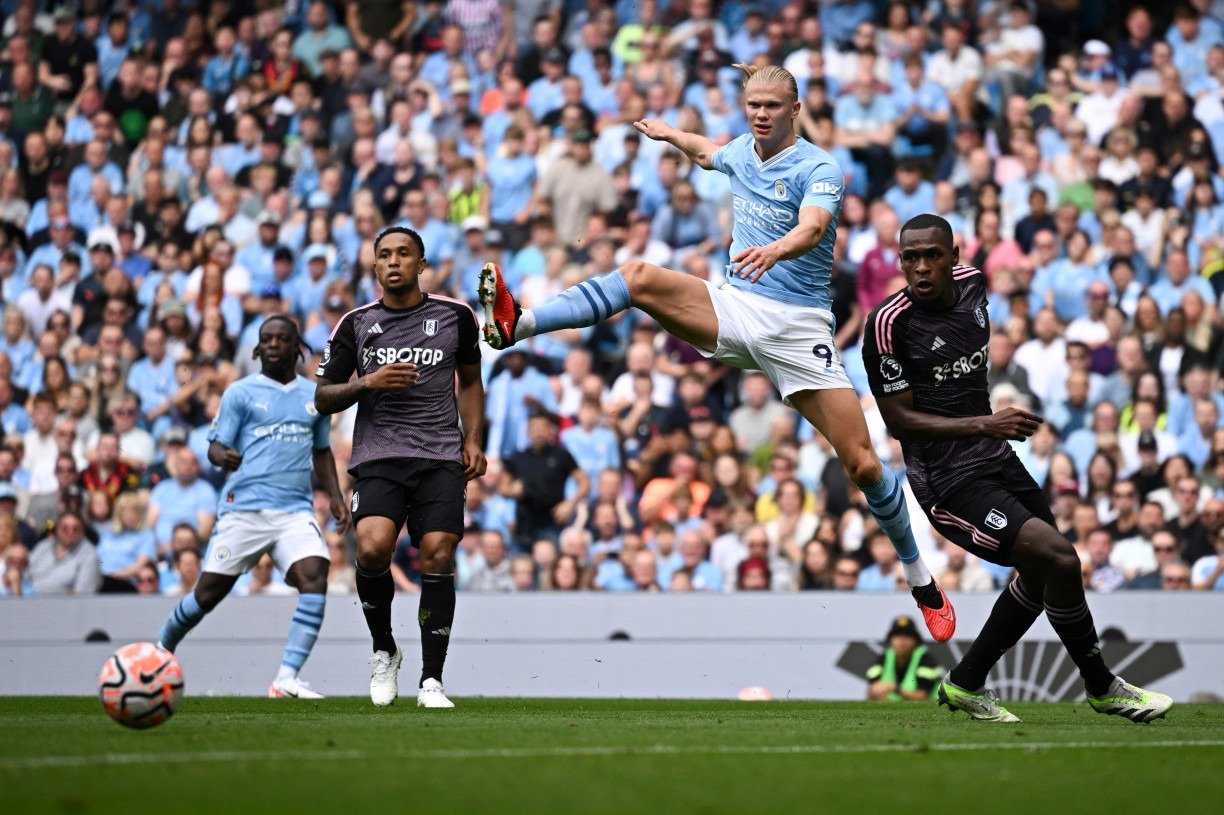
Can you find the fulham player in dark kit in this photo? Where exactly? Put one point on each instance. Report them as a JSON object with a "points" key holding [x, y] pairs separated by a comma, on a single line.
{"points": [[411, 460], [925, 350]]}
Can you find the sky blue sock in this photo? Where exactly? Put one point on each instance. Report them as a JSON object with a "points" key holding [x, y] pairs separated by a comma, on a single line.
{"points": [[887, 502], [304, 630], [185, 616], [590, 302]]}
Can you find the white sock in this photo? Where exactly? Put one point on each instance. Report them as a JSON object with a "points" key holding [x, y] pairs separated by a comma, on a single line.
{"points": [[916, 573], [286, 672], [526, 325]]}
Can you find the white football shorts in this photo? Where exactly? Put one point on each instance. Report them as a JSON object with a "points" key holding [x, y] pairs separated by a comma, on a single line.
{"points": [[792, 344], [241, 538]]}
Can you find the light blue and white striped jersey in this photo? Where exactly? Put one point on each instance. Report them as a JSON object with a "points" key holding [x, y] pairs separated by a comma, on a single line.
{"points": [[766, 199], [276, 429]]}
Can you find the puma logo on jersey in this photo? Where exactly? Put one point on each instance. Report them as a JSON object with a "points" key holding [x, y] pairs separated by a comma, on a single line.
{"points": [[939, 343]]}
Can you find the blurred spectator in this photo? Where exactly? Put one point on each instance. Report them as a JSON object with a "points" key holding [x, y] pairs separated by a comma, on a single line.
{"points": [[906, 671], [64, 562], [493, 572], [880, 575], [544, 508]]}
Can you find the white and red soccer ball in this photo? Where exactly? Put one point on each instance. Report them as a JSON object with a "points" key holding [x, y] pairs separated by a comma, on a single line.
{"points": [[140, 685]]}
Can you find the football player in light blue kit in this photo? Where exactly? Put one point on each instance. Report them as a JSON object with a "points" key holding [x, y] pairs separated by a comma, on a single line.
{"points": [[774, 313], [269, 437]]}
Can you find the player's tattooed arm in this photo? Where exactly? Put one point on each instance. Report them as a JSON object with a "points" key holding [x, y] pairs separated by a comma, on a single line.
{"points": [[333, 397], [907, 424]]}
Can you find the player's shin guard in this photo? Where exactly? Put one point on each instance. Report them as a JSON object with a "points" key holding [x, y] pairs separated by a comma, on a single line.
{"points": [[886, 499], [435, 618], [1075, 628], [1013, 614], [376, 590], [185, 616], [303, 632], [586, 304]]}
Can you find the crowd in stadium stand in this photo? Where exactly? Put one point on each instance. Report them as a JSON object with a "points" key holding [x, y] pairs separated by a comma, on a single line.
{"points": [[172, 171]]}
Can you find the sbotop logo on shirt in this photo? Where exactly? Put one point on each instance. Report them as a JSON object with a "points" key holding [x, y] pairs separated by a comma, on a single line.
{"points": [[388, 356], [965, 365]]}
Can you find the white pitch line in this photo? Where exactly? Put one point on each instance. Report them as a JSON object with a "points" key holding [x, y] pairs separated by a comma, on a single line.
{"points": [[45, 762]]}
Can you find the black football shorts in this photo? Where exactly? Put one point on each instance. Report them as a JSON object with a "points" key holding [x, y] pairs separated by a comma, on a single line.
{"points": [[427, 493], [984, 514]]}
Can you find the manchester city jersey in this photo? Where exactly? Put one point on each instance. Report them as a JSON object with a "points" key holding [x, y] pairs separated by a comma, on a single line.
{"points": [[766, 199], [276, 429]]}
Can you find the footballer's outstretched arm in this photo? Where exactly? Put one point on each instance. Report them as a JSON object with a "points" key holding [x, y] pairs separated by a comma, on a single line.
{"points": [[698, 148], [907, 424]]}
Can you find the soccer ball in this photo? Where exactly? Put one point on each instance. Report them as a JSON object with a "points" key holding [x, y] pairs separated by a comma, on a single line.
{"points": [[140, 685]]}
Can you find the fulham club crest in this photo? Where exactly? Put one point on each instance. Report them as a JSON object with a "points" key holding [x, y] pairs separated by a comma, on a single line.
{"points": [[431, 327], [979, 314]]}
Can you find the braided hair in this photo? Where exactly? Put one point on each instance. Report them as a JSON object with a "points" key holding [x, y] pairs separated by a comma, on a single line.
{"points": [[295, 333]]}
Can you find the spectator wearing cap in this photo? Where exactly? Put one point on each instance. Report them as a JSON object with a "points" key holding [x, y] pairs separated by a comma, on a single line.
{"points": [[1099, 109], [575, 187], [64, 562], [318, 35], [307, 290], [258, 256], [545, 93], [69, 61], [472, 253], [50, 254], [906, 670]]}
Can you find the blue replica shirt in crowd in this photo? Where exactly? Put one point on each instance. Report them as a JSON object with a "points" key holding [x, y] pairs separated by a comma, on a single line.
{"points": [[276, 429], [766, 199]]}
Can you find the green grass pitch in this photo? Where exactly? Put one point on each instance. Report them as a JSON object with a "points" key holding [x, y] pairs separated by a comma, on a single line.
{"points": [[228, 755]]}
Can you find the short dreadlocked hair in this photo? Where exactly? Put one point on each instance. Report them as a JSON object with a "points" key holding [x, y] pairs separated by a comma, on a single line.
{"points": [[303, 348]]}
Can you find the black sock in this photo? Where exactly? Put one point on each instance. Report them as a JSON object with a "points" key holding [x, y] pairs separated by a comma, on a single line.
{"points": [[1013, 614], [435, 618], [376, 591], [1074, 626]]}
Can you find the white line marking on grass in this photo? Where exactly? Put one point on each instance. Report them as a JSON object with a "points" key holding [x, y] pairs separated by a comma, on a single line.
{"points": [[240, 756]]}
